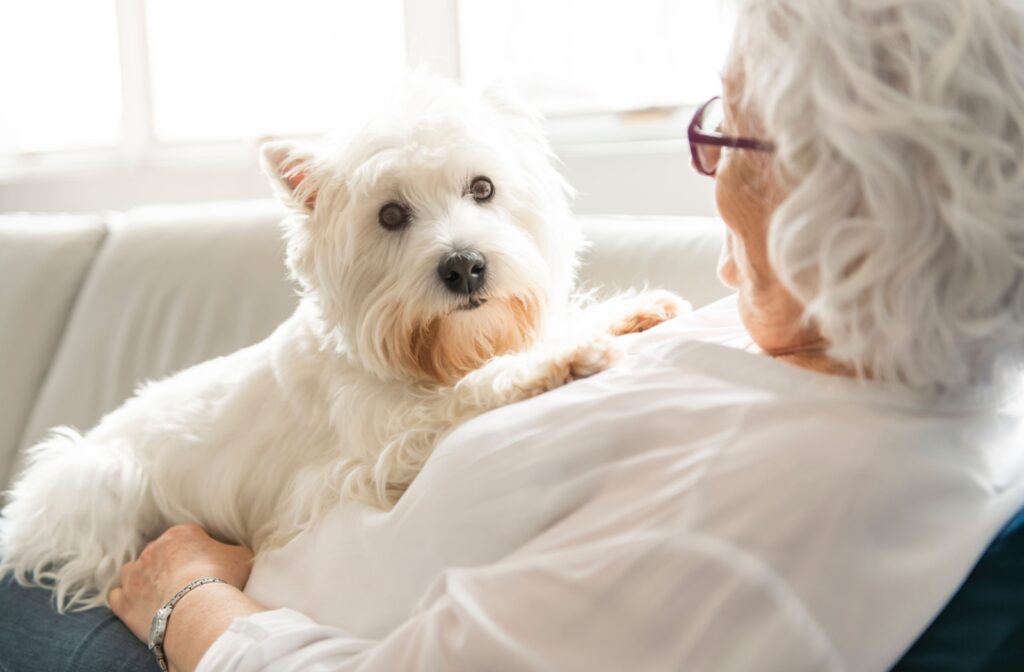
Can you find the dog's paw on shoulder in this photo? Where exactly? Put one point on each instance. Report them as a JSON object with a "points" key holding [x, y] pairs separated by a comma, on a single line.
{"points": [[592, 357], [650, 309]]}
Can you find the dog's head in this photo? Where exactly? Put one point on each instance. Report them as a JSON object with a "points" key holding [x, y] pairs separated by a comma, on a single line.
{"points": [[436, 238]]}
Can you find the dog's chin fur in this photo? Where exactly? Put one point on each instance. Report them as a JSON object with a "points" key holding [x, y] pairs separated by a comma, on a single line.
{"points": [[443, 349]]}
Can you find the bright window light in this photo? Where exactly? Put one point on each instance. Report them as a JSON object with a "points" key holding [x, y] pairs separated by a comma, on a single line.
{"points": [[60, 78], [230, 69], [581, 56]]}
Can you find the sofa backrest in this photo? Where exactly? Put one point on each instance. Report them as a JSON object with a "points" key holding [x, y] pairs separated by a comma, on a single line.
{"points": [[169, 288], [43, 260], [173, 286]]}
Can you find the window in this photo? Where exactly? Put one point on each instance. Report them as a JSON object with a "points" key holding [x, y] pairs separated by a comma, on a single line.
{"points": [[60, 76], [114, 103], [585, 56], [140, 74], [232, 69]]}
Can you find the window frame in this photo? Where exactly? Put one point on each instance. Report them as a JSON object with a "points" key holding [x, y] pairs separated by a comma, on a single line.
{"points": [[432, 39]]}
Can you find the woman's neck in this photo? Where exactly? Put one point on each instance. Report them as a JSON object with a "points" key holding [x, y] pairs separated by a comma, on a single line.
{"points": [[815, 359], [776, 322]]}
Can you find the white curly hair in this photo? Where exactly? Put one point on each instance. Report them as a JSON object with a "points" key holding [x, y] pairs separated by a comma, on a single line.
{"points": [[899, 133]]}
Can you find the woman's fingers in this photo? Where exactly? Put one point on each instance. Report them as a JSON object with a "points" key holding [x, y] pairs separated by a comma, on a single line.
{"points": [[167, 564], [116, 601], [130, 612]]}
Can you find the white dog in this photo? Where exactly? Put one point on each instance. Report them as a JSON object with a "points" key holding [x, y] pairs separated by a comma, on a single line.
{"points": [[436, 257]]}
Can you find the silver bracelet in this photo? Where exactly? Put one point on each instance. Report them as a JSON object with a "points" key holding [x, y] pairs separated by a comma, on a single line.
{"points": [[158, 628]]}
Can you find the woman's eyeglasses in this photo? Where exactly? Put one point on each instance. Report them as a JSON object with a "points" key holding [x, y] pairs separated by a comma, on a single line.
{"points": [[707, 141]]}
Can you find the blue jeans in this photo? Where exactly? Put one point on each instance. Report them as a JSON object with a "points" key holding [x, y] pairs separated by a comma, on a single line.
{"points": [[35, 638]]}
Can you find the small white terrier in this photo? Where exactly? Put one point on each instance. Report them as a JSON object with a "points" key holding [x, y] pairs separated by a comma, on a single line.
{"points": [[437, 260]]}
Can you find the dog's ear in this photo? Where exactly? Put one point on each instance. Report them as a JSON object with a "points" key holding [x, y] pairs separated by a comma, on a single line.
{"points": [[292, 170]]}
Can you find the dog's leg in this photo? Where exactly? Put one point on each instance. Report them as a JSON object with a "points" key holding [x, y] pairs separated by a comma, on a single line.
{"points": [[503, 380], [630, 313], [511, 378], [646, 310], [77, 514]]}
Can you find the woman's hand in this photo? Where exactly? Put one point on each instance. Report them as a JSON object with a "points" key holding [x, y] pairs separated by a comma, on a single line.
{"points": [[180, 555]]}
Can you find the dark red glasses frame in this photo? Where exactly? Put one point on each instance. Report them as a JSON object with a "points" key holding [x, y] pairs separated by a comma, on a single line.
{"points": [[698, 137]]}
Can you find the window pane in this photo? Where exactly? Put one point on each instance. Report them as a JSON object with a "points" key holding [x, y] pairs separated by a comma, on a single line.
{"points": [[227, 69], [60, 81], [572, 56]]}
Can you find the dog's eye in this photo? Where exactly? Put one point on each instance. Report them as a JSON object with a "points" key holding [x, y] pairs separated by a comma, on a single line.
{"points": [[481, 189], [393, 216]]}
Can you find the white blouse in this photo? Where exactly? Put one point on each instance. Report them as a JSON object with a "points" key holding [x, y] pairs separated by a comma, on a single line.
{"points": [[697, 507]]}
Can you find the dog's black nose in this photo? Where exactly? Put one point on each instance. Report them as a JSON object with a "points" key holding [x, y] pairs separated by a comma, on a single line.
{"points": [[463, 272]]}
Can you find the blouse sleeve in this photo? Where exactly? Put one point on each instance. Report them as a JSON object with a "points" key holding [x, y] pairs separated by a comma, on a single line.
{"points": [[642, 603]]}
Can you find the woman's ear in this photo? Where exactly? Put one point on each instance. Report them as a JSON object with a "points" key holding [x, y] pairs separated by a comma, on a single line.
{"points": [[291, 168]]}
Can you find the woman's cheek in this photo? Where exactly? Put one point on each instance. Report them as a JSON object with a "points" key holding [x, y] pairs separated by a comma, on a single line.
{"points": [[726, 198]]}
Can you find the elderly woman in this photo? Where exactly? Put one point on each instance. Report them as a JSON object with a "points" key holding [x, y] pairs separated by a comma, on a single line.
{"points": [[797, 478]]}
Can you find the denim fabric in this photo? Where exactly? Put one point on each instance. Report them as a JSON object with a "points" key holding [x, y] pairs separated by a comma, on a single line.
{"points": [[35, 638]]}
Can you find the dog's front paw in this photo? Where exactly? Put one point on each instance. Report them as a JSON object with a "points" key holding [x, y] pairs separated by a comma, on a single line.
{"points": [[592, 357], [648, 310]]}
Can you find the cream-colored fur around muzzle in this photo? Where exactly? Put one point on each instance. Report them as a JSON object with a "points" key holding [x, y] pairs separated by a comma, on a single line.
{"points": [[436, 258]]}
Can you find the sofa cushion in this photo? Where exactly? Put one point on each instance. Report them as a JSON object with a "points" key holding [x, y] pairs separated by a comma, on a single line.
{"points": [[677, 253], [44, 259], [171, 287]]}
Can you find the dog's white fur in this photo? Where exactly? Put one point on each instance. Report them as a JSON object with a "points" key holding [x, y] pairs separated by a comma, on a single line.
{"points": [[348, 397]]}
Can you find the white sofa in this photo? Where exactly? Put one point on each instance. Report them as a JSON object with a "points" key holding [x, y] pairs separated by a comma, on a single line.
{"points": [[91, 306]]}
